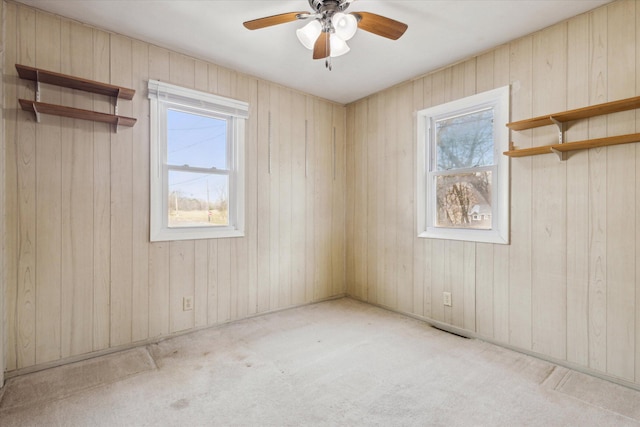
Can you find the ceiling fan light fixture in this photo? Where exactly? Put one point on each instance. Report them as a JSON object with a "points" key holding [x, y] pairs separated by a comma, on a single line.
{"points": [[330, 28], [345, 25], [338, 46], [309, 33]]}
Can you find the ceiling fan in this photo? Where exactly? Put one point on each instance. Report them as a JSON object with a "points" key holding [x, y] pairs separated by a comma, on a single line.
{"points": [[330, 27]]}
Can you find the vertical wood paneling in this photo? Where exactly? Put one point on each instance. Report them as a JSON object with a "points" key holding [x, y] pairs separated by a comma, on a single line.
{"points": [[310, 247], [48, 198], [454, 282], [521, 172], [284, 207], [637, 260], [597, 197], [200, 285], [298, 198], [101, 198], [578, 198], [159, 289], [251, 188], [352, 234], [484, 290], [212, 282], [322, 208], [77, 202], [264, 198], [121, 202], [181, 283], [405, 207], [360, 199], [469, 284], [3, 265], [12, 235], [374, 166], [389, 295], [338, 213], [273, 142], [621, 243], [140, 184], [223, 280], [549, 200]]}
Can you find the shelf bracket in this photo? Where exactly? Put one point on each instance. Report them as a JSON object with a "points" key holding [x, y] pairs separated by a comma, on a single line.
{"points": [[38, 87], [115, 102], [37, 113], [561, 154], [560, 129]]}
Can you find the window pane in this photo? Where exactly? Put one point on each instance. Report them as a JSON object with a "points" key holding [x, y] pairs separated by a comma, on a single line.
{"points": [[464, 200], [196, 140], [198, 199], [465, 141]]}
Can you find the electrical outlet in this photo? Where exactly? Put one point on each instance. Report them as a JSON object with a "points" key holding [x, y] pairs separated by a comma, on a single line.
{"points": [[187, 303], [446, 298]]}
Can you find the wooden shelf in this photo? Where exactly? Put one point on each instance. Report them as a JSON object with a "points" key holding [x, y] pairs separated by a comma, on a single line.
{"points": [[524, 152], [75, 113], [49, 77], [577, 114], [572, 146], [43, 76], [559, 119]]}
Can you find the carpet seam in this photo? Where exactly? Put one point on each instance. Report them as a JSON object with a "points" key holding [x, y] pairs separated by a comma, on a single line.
{"points": [[611, 411], [563, 381]]}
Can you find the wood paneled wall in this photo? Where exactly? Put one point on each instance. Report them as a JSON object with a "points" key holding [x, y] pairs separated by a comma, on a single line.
{"points": [[82, 276], [568, 286], [3, 267]]}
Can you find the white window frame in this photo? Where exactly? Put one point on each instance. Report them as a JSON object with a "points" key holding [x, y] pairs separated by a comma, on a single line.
{"points": [[164, 96], [498, 99]]}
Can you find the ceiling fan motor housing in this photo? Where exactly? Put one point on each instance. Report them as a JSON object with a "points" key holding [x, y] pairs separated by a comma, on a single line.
{"points": [[328, 6]]}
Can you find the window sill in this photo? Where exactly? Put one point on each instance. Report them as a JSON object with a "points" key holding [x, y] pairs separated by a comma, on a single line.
{"points": [[166, 235], [467, 235]]}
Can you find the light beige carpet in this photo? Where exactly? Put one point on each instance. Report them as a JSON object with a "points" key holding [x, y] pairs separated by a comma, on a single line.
{"points": [[335, 363]]}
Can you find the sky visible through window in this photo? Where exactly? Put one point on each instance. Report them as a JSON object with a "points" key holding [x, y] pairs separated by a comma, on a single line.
{"points": [[197, 197]]}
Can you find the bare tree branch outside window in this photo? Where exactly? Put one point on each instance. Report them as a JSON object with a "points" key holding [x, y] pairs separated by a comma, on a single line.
{"points": [[464, 142]]}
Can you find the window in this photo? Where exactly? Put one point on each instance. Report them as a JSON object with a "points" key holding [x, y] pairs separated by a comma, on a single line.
{"points": [[197, 164], [463, 177]]}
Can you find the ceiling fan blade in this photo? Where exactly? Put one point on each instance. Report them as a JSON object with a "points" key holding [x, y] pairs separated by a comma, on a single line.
{"points": [[322, 48], [380, 25], [268, 21]]}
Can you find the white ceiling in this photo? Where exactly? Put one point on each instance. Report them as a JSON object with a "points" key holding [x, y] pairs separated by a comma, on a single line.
{"points": [[440, 32]]}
